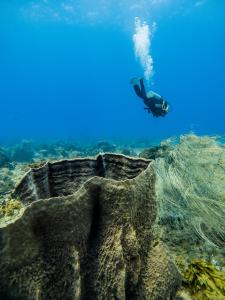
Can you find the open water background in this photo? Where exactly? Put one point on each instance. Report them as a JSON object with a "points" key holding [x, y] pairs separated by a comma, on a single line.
{"points": [[65, 68]]}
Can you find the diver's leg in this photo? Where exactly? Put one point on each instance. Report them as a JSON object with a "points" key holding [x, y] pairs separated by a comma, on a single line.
{"points": [[137, 90], [135, 82], [143, 92]]}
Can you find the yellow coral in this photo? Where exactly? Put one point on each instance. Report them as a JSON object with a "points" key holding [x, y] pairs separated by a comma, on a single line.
{"points": [[10, 207], [204, 281]]}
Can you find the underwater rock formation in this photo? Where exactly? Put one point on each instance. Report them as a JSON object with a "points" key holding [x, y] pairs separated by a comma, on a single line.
{"points": [[86, 232]]}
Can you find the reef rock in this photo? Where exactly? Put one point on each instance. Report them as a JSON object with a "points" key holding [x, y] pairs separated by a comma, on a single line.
{"points": [[86, 232]]}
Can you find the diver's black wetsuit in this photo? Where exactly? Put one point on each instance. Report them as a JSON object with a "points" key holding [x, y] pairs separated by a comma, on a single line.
{"points": [[154, 102]]}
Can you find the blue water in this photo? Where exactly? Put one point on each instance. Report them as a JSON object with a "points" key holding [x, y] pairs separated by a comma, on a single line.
{"points": [[65, 68]]}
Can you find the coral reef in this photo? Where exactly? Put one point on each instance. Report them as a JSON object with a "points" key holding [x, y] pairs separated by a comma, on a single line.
{"points": [[191, 189], [10, 207], [105, 146], [86, 232], [29, 151], [6, 182], [4, 160], [128, 152], [190, 193], [154, 152], [23, 152], [9, 177]]}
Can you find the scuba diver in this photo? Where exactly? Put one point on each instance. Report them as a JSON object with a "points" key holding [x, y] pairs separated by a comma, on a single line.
{"points": [[154, 102]]}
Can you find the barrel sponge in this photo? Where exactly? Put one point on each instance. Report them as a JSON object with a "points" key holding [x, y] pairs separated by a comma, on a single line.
{"points": [[86, 232]]}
